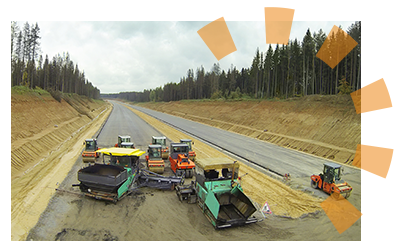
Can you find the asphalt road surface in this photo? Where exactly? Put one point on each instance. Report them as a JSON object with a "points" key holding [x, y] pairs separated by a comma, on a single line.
{"points": [[122, 121], [277, 159]]}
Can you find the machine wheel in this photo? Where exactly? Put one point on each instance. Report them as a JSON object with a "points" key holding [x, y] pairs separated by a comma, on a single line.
{"points": [[189, 173], [347, 195], [314, 184]]}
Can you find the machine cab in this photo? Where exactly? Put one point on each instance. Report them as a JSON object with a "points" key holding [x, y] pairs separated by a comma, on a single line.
{"points": [[188, 142], [179, 148], [161, 140], [126, 157], [210, 170], [123, 138], [90, 145], [332, 172], [154, 151]]}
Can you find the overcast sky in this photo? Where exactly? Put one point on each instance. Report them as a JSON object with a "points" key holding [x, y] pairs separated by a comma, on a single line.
{"points": [[137, 55]]}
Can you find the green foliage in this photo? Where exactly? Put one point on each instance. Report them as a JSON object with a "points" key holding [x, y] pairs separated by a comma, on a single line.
{"points": [[152, 96], [216, 95], [40, 91], [236, 94], [57, 95], [344, 88], [21, 90], [25, 81]]}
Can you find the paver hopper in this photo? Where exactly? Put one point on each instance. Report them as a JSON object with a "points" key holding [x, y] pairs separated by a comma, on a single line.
{"points": [[220, 195]]}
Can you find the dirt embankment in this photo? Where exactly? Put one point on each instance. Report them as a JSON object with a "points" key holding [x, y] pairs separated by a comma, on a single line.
{"points": [[45, 135], [39, 124], [325, 126]]}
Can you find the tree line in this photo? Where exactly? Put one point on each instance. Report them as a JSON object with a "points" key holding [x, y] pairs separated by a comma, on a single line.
{"points": [[281, 72], [28, 68]]}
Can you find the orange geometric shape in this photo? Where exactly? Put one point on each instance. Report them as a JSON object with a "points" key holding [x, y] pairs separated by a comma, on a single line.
{"points": [[278, 23], [218, 39], [340, 211], [336, 46], [356, 96], [375, 96], [375, 160], [278, 14], [222, 18]]}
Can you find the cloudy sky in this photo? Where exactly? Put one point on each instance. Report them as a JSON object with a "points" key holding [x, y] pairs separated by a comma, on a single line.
{"points": [[135, 55]]}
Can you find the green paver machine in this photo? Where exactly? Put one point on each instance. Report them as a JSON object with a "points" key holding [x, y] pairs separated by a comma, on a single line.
{"points": [[220, 195], [112, 179]]}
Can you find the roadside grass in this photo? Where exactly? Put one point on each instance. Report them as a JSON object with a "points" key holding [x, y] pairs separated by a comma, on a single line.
{"points": [[21, 90]]}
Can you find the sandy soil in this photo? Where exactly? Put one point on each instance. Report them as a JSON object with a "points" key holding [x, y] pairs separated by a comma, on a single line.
{"points": [[325, 126], [42, 157]]}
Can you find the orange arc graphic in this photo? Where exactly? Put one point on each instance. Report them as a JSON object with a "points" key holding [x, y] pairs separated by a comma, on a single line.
{"points": [[278, 14], [375, 160], [374, 96], [222, 18], [278, 23], [218, 39], [340, 211]]}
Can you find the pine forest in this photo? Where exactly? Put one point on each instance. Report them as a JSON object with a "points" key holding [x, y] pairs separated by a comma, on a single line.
{"points": [[283, 71], [28, 68]]}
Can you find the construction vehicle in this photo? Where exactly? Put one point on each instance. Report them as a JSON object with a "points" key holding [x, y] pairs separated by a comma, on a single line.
{"points": [[179, 159], [192, 154], [154, 180], [187, 192], [154, 159], [124, 141], [330, 181], [161, 140], [89, 153], [112, 179], [220, 195]]}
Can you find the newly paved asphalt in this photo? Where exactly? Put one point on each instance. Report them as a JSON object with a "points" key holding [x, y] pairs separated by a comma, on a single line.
{"points": [[123, 121], [277, 159]]}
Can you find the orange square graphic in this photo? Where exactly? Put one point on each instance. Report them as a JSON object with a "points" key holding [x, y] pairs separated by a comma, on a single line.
{"points": [[336, 46], [218, 39], [278, 23], [340, 211]]}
